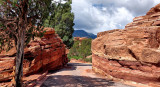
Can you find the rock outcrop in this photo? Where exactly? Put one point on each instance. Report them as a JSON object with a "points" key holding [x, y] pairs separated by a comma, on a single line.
{"points": [[41, 54], [132, 53], [80, 38]]}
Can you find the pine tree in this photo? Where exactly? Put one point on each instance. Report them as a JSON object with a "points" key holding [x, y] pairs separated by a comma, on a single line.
{"points": [[21, 20], [62, 20]]}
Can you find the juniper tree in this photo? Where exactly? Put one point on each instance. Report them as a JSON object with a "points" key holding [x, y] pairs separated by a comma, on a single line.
{"points": [[20, 21]]}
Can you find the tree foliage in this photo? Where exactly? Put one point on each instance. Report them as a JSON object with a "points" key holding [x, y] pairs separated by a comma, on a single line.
{"points": [[62, 20], [81, 49], [20, 21], [14, 15]]}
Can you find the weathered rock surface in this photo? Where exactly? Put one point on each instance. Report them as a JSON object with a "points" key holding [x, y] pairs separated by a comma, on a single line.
{"points": [[132, 53], [80, 38], [41, 54]]}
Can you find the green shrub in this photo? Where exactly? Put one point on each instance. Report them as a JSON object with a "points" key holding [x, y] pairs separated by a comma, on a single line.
{"points": [[88, 60], [75, 57], [81, 49]]}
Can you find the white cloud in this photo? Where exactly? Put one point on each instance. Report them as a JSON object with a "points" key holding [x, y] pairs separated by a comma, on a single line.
{"points": [[100, 15], [156, 2], [59, 1]]}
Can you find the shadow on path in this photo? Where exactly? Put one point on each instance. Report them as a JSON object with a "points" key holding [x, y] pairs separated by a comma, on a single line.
{"points": [[75, 81], [70, 67], [79, 64], [76, 75]]}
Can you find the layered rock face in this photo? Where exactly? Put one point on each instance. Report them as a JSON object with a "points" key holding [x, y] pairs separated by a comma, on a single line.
{"points": [[41, 54], [132, 53]]}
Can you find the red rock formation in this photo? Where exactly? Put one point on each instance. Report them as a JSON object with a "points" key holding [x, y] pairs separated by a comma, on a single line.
{"points": [[132, 53], [41, 54], [80, 38]]}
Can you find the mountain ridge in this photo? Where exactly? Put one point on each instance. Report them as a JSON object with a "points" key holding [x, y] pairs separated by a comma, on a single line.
{"points": [[82, 33]]}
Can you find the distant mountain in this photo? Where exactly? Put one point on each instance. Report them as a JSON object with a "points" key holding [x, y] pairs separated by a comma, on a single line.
{"points": [[82, 33]]}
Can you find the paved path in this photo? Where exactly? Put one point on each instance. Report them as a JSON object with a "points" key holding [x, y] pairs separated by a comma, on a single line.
{"points": [[78, 75]]}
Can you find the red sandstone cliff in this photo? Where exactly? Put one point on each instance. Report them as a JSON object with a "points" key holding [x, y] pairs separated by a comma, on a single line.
{"points": [[132, 53], [41, 54]]}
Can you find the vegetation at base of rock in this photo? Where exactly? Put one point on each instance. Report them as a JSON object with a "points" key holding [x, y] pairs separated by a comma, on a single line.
{"points": [[80, 50], [88, 59], [62, 20]]}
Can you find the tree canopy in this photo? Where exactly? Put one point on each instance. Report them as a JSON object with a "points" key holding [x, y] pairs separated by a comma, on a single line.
{"points": [[81, 49], [14, 12], [62, 20]]}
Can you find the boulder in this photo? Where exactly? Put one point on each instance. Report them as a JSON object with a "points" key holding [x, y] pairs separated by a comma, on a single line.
{"points": [[132, 53], [41, 54]]}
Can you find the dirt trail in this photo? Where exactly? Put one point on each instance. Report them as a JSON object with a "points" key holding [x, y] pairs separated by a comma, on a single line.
{"points": [[78, 75]]}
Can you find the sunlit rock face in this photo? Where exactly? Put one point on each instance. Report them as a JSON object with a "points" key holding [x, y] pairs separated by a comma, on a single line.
{"points": [[132, 53], [41, 54]]}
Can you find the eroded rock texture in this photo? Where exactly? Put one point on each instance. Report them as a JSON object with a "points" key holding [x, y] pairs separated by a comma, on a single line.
{"points": [[132, 53], [41, 54]]}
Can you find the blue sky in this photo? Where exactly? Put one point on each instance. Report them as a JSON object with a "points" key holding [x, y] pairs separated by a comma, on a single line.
{"points": [[101, 15]]}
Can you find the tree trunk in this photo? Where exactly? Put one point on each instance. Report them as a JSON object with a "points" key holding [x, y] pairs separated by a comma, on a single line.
{"points": [[19, 59], [22, 25]]}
